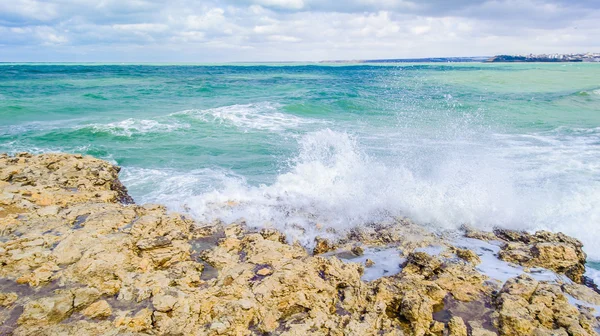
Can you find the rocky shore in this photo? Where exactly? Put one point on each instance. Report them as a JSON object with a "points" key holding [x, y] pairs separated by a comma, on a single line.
{"points": [[78, 257]]}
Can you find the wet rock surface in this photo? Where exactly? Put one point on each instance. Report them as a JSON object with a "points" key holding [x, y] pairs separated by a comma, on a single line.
{"points": [[554, 251], [77, 257]]}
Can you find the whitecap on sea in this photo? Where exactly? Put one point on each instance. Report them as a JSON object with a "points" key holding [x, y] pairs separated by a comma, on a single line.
{"points": [[258, 116], [130, 127]]}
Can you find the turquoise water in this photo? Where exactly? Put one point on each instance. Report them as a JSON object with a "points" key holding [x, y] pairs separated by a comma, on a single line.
{"points": [[293, 146]]}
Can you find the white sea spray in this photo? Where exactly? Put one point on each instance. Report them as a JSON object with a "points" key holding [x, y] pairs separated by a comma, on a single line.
{"points": [[333, 183]]}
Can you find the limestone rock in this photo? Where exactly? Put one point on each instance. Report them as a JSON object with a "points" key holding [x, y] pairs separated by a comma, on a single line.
{"points": [[6, 299], [422, 263], [141, 321], [152, 243], [164, 303], [471, 232], [98, 310], [554, 251], [457, 327], [84, 296], [322, 246], [357, 250], [48, 310], [526, 306], [583, 293], [468, 256]]}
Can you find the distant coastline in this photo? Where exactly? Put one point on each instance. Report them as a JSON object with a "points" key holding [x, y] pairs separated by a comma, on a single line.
{"points": [[588, 57], [552, 58]]}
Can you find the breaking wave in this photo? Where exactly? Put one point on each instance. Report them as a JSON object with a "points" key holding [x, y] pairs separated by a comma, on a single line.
{"points": [[333, 185], [169, 186], [262, 116], [130, 127], [592, 93], [259, 116]]}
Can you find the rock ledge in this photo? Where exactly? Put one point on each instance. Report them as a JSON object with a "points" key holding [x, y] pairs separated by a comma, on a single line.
{"points": [[77, 257]]}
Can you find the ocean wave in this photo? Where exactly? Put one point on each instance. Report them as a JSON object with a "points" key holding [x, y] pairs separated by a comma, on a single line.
{"points": [[588, 93], [333, 186], [570, 131], [16, 146], [531, 182], [593, 274], [130, 127], [259, 116], [95, 96], [570, 154], [34, 126], [170, 186]]}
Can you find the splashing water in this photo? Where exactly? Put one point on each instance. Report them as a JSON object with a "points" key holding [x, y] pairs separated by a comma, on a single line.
{"points": [[331, 184]]}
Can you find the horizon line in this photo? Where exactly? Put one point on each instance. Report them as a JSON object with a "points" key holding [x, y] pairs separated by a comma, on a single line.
{"points": [[434, 59]]}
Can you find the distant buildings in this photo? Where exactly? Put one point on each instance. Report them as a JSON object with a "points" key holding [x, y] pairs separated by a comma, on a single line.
{"points": [[587, 57]]}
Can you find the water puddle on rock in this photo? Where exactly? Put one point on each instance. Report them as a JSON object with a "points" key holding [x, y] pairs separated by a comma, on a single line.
{"points": [[378, 262], [501, 270], [595, 309], [201, 244], [79, 220], [474, 312], [10, 314]]}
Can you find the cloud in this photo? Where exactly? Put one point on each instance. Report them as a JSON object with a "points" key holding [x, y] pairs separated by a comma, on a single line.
{"points": [[141, 27], [24, 12], [266, 30], [287, 4]]}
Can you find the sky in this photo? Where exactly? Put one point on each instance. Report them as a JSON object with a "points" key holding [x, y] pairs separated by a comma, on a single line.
{"points": [[290, 30]]}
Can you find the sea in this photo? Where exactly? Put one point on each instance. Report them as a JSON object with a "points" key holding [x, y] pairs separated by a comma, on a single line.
{"points": [[319, 149]]}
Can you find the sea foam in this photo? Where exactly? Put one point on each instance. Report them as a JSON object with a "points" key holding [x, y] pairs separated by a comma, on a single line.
{"points": [[334, 183], [171, 187], [332, 186], [130, 127], [258, 116]]}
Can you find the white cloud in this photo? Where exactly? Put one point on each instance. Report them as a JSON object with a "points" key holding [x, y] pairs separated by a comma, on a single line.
{"points": [[142, 27], [151, 30], [266, 29], [189, 36], [420, 30], [30, 9], [289, 4], [212, 19], [50, 36], [283, 38]]}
